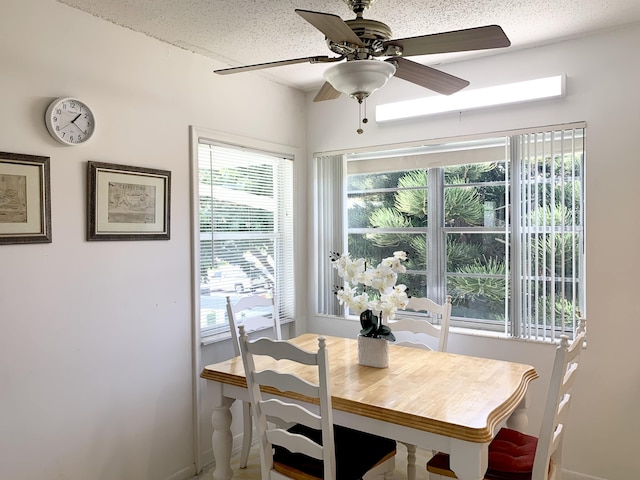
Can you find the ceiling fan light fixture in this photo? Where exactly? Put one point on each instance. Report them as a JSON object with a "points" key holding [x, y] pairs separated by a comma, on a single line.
{"points": [[359, 78]]}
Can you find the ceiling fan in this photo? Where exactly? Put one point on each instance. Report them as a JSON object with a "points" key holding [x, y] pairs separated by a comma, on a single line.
{"points": [[362, 41]]}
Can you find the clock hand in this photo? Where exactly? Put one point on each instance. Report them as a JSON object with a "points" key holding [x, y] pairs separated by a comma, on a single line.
{"points": [[77, 117], [83, 131]]}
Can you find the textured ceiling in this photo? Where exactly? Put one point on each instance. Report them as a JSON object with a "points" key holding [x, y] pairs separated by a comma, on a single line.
{"points": [[241, 32]]}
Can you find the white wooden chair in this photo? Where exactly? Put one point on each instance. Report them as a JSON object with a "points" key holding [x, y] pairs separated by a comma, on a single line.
{"points": [[250, 311], [313, 448], [412, 331], [514, 455], [417, 332]]}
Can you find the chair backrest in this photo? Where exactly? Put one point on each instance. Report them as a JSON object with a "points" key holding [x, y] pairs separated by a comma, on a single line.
{"points": [[548, 456], [250, 312], [287, 380], [411, 331]]}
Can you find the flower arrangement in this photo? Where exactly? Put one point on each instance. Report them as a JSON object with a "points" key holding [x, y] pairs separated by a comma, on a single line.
{"points": [[387, 297]]}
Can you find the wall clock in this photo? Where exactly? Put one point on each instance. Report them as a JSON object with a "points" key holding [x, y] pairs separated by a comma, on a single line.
{"points": [[70, 121]]}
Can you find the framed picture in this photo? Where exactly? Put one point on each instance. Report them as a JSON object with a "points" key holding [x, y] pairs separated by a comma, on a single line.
{"points": [[25, 199], [127, 203]]}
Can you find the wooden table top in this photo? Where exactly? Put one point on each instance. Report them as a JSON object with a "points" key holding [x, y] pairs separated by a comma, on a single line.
{"points": [[458, 396]]}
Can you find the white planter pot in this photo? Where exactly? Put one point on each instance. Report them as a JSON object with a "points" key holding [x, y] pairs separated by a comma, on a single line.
{"points": [[373, 352]]}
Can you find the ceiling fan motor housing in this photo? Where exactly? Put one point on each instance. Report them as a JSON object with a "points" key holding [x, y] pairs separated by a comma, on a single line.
{"points": [[372, 33]]}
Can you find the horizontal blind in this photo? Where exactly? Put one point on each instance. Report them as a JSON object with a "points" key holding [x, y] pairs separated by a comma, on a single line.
{"points": [[246, 228]]}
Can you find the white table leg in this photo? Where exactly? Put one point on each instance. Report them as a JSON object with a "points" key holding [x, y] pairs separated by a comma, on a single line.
{"points": [[469, 460], [221, 438], [519, 419], [411, 461]]}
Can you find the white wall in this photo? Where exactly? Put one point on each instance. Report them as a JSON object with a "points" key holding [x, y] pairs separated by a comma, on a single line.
{"points": [[602, 84], [95, 360], [95, 355]]}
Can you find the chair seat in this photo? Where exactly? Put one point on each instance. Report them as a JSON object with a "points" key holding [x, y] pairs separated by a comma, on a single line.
{"points": [[511, 456], [356, 453]]}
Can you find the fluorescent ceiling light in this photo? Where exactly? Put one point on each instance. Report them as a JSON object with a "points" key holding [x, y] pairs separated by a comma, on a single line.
{"points": [[530, 90]]}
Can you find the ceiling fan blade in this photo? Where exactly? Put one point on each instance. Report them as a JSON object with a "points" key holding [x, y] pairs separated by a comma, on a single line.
{"points": [[427, 77], [326, 92], [333, 27], [479, 38], [260, 66]]}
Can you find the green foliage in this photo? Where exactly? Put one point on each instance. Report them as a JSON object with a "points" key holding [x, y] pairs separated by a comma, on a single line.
{"points": [[419, 251], [479, 284], [555, 251], [475, 172], [412, 200], [561, 308], [462, 206], [387, 218], [555, 254], [372, 181], [473, 288], [461, 253]]}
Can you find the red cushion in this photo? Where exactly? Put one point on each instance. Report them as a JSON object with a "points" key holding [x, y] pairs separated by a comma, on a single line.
{"points": [[511, 456]]}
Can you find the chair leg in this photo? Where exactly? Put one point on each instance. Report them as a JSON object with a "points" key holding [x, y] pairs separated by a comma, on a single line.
{"points": [[388, 475], [411, 461], [246, 434], [382, 470]]}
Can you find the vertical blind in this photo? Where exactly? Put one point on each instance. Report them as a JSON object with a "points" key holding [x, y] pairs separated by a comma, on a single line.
{"points": [[245, 216], [549, 222], [329, 202]]}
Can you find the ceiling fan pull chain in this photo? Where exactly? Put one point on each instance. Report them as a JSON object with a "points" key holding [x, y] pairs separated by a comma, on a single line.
{"points": [[365, 119], [362, 119]]}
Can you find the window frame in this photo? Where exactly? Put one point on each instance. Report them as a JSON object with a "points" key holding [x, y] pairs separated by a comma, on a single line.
{"points": [[206, 335], [517, 329]]}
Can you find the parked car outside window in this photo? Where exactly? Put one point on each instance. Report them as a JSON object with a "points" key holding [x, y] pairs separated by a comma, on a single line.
{"points": [[229, 279]]}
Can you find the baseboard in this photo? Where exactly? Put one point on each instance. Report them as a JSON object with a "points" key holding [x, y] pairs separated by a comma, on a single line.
{"points": [[208, 462], [206, 459], [568, 475], [183, 474]]}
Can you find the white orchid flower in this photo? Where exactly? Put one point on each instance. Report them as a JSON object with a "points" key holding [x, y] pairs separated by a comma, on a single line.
{"points": [[350, 270], [383, 278]]}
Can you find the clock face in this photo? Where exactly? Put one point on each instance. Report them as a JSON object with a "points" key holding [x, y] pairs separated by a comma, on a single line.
{"points": [[70, 121]]}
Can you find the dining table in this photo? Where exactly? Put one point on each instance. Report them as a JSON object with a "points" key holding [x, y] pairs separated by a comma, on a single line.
{"points": [[433, 400]]}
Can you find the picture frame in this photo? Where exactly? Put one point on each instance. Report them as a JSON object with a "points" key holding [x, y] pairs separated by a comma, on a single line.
{"points": [[25, 199], [127, 202]]}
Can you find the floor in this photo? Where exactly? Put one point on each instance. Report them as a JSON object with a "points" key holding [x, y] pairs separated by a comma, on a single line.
{"points": [[252, 472]]}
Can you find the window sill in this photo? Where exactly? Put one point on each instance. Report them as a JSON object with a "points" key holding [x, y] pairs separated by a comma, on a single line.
{"points": [[215, 338], [468, 331], [499, 335], [226, 335]]}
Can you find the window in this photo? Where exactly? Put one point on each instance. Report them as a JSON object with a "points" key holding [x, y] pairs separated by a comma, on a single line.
{"points": [[496, 223], [245, 220]]}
